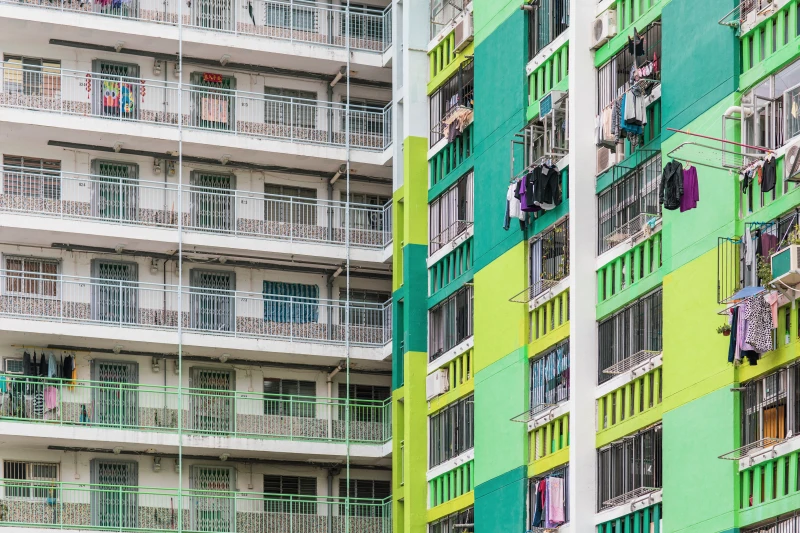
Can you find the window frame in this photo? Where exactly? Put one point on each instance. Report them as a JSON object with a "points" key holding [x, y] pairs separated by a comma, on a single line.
{"points": [[306, 408], [451, 213], [45, 173], [31, 483], [451, 322], [614, 459], [40, 280], [451, 431]]}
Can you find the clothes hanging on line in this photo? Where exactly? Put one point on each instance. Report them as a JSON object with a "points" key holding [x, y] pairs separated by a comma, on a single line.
{"points": [[691, 189], [513, 207], [549, 503], [671, 190], [540, 189]]}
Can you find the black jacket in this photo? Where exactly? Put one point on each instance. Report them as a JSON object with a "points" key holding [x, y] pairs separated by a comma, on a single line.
{"points": [[671, 190]]}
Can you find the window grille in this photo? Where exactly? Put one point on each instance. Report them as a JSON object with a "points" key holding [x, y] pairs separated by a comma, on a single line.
{"points": [[366, 307], [291, 302], [452, 213], [32, 76], [364, 489], [450, 322], [561, 472], [785, 524], [30, 481], [32, 276], [32, 177], [458, 90], [548, 258], [451, 431], [293, 205], [771, 406], [364, 393], [550, 377], [461, 522], [546, 21], [629, 468], [296, 14]]}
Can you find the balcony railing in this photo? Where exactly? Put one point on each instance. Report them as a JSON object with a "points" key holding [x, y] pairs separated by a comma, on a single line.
{"points": [[139, 407], [72, 92], [84, 506], [221, 211], [292, 20], [134, 304]]}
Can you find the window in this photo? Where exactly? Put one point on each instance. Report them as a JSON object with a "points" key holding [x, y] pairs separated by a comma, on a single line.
{"points": [[547, 20], [613, 78], [295, 14], [366, 22], [451, 431], [458, 90], [635, 328], [366, 116], [771, 406], [32, 177], [629, 468], [788, 524], [442, 12], [549, 258], [31, 276], [290, 302], [13, 365], [366, 308], [290, 494], [461, 522], [288, 107], [632, 197], [771, 117], [451, 214], [32, 76], [550, 377], [365, 218], [450, 322], [212, 300], [302, 404], [369, 495], [561, 473], [363, 400], [301, 209], [30, 481], [115, 89]]}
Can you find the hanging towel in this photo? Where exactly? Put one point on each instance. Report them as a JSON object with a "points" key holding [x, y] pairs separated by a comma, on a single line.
{"points": [[555, 502], [50, 398], [52, 367]]}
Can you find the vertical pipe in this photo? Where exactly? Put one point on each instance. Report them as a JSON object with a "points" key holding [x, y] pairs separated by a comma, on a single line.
{"points": [[180, 265]]}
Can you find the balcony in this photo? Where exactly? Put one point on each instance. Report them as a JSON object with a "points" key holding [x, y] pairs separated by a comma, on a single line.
{"points": [[79, 93], [547, 20], [85, 506], [152, 204], [229, 313], [154, 408], [305, 21], [452, 105]]}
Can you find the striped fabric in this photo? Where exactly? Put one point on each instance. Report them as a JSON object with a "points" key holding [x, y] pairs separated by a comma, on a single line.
{"points": [[290, 302]]}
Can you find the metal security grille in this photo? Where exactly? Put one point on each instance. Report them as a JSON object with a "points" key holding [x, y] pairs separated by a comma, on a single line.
{"points": [[116, 404], [461, 522], [212, 201], [115, 504], [771, 406], [115, 191], [212, 404], [30, 481], [561, 472], [290, 494], [548, 20], [114, 291], [214, 14], [115, 89], [32, 276], [629, 468], [550, 378], [635, 328], [212, 300], [211, 513], [276, 403], [452, 213], [451, 431], [458, 90], [450, 322], [634, 192], [213, 97], [32, 177], [548, 258]]}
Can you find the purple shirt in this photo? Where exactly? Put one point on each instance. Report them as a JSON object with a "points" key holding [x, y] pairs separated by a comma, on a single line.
{"points": [[691, 190]]}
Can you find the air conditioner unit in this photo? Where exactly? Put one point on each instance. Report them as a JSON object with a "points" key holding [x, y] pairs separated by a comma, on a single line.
{"points": [[13, 366], [552, 101], [437, 383], [606, 158], [463, 32], [791, 163], [604, 28]]}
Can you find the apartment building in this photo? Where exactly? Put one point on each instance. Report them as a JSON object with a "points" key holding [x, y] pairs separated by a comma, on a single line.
{"points": [[584, 365], [196, 263]]}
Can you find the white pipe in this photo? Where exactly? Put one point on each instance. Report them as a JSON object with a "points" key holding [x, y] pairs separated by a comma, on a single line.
{"points": [[737, 109]]}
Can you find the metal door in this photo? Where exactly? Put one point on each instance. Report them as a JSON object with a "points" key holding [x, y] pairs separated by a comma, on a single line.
{"points": [[114, 494], [213, 305], [212, 402], [115, 399], [114, 190], [114, 292], [213, 14], [116, 89], [210, 511], [212, 201], [213, 99]]}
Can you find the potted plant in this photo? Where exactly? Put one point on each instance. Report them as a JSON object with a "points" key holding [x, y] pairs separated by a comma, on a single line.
{"points": [[725, 329]]}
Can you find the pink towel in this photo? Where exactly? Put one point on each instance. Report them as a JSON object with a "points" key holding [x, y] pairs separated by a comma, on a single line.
{"points": [[555, 501], [50, 398]]}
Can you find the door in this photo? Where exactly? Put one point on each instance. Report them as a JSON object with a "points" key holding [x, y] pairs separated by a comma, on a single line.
{"points": [[114, 494], [213, 14], [213, 512], [114, 292], [114, 190], [212, 97], [115, 398], [213, 306], [116, 88], [212, 402], [212, 201]]}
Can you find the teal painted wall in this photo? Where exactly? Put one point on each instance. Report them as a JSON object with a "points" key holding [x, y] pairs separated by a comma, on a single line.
{"points": [[415, 279], [500, 503]]}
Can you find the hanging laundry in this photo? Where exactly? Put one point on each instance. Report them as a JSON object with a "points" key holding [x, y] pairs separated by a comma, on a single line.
{"points": [[42, 366], [768, 244], [539, 508], [513, 206], [691, 190], [50, 398], [555, 502], [671, 190], [759, 324], [769, 174], [52, 366], [773, 299], [27, 367]]}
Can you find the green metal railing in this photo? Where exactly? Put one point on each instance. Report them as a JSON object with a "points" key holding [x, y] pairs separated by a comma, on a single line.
{"points": [[84, 506], [207, 412]]}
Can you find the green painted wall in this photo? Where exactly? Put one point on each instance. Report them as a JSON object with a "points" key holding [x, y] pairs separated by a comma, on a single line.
{"points": [[500, 503]]}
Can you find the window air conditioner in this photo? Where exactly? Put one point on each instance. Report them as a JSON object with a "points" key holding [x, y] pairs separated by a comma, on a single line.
{"points": [[463, 32], [552, 101], [604, 28], [437, 383]]}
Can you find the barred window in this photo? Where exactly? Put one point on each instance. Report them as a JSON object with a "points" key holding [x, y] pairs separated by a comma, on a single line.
{"points": [[290, 494], [461, 522], [363, 410], [32, 76], [771, 406], [548, 257], [32, 177], [301, 209], [629, 468], [302, 403], [32, 276], [450, 322], [451, 214], [451, 431], [533, 484], [30, 481], [368, 496], [550, 377]]}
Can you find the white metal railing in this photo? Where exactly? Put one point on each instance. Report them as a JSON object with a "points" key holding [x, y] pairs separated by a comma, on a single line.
{"points": [[120, 98], [219, 312], [221, 211], [305, 21], [632, 228]]}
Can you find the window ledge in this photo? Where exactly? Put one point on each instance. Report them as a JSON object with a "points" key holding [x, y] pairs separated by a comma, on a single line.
{"points": [[624, 246], [549, 294], [766, 454], [450, 464], [619, 511], [548, 416], [450, 246], [544, 54], [623, 379], [451, 354]]}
